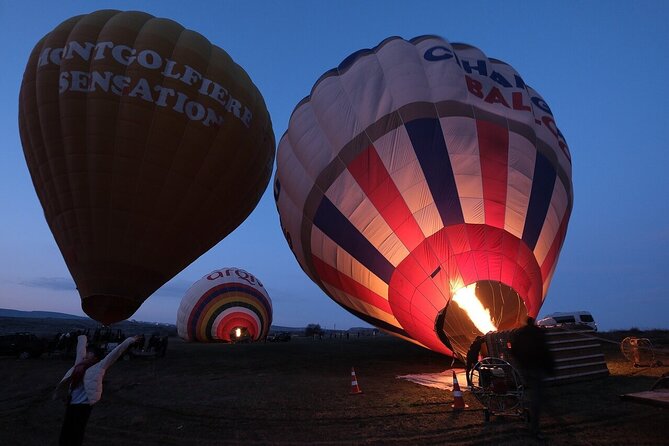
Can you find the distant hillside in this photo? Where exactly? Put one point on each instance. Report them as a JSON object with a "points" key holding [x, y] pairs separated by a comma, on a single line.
{"points": [[87, 322], [48, 323], [5, 312]]}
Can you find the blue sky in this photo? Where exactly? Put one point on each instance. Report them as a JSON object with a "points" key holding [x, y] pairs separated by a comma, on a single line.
{"points": [[601, 65]]}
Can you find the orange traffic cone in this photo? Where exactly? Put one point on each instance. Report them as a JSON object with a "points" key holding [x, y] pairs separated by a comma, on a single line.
{"points": [[355, 388], [458, 401]]}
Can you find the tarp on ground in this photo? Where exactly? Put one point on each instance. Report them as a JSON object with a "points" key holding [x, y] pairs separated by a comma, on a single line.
{"points": [[659, 397], [442, 380]]}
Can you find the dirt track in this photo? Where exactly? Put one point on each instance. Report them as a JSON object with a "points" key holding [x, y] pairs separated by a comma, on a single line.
{"points": [[297, 393]]}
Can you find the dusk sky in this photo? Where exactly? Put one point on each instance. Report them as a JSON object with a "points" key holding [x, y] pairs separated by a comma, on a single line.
{"points": [[601, 65]]}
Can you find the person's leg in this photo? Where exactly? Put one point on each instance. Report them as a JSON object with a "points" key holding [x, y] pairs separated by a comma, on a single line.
{"points": [[66, 429], [79, 418], [83, 421], [536, 397]]}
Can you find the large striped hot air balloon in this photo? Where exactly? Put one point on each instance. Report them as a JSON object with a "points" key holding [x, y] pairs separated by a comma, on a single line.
{"points": [[426, 189], [228, 304], [146, 145]]}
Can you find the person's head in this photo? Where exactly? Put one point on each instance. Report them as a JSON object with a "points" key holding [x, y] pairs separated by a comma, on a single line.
{"points": [[530, 320], [94, 353]]}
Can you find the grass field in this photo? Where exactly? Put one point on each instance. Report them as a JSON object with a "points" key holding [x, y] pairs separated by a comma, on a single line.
{"points": [[298, 393]]}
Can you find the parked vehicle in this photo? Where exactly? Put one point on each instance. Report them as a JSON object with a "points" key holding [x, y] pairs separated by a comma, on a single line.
{"points": [[569, 319], [279, 337], [22, 345]]}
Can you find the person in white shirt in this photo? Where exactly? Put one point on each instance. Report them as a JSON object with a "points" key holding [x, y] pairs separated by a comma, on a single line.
{"points": [[82, 387]]}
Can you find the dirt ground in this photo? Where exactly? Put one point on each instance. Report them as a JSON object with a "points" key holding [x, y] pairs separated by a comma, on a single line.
{"points": [[298, 393]]}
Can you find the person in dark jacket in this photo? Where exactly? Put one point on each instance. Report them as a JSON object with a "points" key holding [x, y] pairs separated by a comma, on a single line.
{"points": [[473, 357], [529, 347]]}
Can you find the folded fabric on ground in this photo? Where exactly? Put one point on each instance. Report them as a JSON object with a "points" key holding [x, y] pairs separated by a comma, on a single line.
{"points": [[659, 397], [442, 380]]}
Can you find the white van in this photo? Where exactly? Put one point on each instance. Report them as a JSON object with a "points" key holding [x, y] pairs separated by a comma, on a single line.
{"points": [[572, 318]]}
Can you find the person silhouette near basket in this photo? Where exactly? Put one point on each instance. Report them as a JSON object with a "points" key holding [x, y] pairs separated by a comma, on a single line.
{"points": [[529, 348], [473, 355]]}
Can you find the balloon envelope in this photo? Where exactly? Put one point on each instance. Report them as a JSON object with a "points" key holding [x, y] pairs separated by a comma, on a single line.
{"points": [[225, 305], [427, 189], [146, 145]]}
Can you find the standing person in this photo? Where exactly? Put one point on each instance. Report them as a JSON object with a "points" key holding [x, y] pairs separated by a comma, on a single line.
{"points": [[83, 384], [529, 347], [473, 357]]}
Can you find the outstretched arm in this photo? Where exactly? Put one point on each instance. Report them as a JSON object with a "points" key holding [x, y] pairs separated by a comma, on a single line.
{"points": [[117, 352], [60, 391], [82, 342]]}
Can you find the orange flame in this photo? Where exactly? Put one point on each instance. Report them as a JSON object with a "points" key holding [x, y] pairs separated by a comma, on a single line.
{"points": [[468, 301]]}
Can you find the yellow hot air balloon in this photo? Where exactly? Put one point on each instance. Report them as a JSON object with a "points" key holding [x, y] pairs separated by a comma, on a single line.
{"points": [[426, 189], [146, 145]]}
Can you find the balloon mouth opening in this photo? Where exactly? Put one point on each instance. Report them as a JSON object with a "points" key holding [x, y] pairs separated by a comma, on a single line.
{"points": [[108, 309], [476, 309], [239, 334]]}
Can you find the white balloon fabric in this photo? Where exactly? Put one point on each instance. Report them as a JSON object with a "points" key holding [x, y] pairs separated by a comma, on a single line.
{"points": [[225, 305], [415, 170]]}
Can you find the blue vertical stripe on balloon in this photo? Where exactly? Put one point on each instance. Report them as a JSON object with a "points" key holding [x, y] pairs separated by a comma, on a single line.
{"points": [[336, 226], [540, 199], [428, 143]]}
